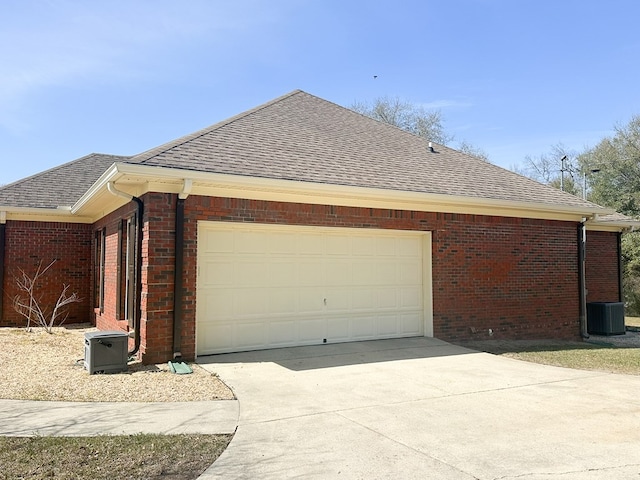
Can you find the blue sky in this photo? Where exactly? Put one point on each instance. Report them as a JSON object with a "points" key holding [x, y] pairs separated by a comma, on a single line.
{"points": [[512, 77]]}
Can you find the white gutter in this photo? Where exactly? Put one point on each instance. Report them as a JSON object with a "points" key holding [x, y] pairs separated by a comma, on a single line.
{"points": [[118, 193], [308, 189]]}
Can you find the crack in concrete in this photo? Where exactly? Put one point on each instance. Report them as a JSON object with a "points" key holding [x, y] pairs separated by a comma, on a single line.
{"points": [[570, 472]]}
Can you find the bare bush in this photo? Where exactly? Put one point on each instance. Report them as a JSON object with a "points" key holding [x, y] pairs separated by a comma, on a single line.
{"points": [[29, 304]]}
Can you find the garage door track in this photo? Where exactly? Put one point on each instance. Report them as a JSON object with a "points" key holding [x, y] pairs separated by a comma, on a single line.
{"points": [[423, 408]]}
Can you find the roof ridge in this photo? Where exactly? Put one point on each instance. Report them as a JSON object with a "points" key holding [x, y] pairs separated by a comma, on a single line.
{"points": [[165, 147], [58, 167]]}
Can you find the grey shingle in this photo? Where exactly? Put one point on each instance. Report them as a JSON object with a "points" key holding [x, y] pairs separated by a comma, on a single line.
{"points": [[59, 186], [304, 138]]}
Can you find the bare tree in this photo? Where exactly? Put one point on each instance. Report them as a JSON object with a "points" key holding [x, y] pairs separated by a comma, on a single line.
{"points": [[559, 168], [28, 303], [414, 119], [407, 116], [469, 149]]}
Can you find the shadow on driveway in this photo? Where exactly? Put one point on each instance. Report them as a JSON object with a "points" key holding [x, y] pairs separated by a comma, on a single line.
{"points": [[342, 354]]}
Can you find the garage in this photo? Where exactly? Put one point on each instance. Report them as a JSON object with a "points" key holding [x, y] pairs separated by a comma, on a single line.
{"points": [[270, 286]]}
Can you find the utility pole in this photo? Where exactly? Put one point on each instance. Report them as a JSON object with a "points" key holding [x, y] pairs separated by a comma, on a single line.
{"points": [[562, 170]]}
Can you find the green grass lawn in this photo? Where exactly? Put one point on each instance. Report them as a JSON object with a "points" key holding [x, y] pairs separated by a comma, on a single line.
{"points": [[150, 457], [584, 357]]}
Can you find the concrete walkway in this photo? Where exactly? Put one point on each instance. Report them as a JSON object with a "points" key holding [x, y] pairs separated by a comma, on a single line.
{"points": [[25, 418], [421, 408]]}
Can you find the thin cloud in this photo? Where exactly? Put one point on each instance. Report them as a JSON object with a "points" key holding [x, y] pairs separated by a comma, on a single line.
{"points": [[65, 43], [440, 104]]}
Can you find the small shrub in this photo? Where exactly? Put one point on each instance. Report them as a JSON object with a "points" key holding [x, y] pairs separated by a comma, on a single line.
{"points": [[28, 302]]}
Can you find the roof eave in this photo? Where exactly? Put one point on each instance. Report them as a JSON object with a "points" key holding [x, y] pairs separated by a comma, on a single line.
{"points": [[138, 179], [36, 214]]}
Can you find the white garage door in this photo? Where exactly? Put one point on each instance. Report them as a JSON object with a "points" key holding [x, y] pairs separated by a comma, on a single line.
{"points": [[268, 286]]}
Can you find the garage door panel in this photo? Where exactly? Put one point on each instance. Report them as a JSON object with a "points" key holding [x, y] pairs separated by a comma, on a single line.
{"points": [[216, 273], [250, 335], [363, 327], [311, 272], [338, 273], [387, 298], [216, 303], [283, 273], [283, 333], [250, 242], [223, 242], [338, 329], [363, 298], [310, 300], [408, 246], [265, 286], [411, 297], [387, 325], [364, 273], [312, 329], [338, 245], [386, 273], [281, 244], [411, 324], [249, 301], [251, 273], [310, 245], [386, 247], [363, 246], [409, 273], [281, 302], [214, 338], [338, 300]]}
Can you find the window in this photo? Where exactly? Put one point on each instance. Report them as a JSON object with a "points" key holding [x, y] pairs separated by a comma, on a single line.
{"points": [[99, 268], [129, 268]]}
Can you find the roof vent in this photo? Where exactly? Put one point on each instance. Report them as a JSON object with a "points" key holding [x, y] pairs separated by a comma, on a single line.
{"points": [[431, 147]]}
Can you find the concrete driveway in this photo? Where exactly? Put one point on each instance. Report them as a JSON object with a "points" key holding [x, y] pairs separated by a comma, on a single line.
{"points": [[422, 408]]}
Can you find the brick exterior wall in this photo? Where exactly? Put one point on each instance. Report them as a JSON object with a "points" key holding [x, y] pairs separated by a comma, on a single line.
{"points": [[28, 243], [110, 318], [517, 277], [602, 267]]}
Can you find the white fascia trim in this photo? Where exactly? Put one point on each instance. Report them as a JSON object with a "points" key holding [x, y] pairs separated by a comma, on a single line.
{"points": [[169, 180], [110, 175], [60, 214], [623, 225]]}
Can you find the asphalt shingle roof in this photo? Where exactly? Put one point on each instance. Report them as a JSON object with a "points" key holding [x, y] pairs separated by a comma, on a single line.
{"points": [[60, 186], [304, 138]]}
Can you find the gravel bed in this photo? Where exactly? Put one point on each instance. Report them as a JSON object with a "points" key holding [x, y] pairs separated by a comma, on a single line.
{"points": [[631, 339], [40, 366]]}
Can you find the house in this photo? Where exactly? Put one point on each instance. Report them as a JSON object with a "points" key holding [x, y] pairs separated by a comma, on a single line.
{"points": [[301, 222]]}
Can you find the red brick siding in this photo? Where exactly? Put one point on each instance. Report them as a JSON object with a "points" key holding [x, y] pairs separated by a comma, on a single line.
{"points": [[110, 318], [158, 278], [602, 267], [28, 243], [517, 277], [158, 260]]}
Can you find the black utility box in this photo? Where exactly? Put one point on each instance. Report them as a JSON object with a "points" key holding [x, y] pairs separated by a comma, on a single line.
{"points": [[105, 352], [605, 318]]}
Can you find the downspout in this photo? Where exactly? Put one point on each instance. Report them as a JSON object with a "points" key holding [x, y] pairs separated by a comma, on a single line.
{"points": [[178, 279], [620, 269], [137, 320], [582, 287], [3, 230]]}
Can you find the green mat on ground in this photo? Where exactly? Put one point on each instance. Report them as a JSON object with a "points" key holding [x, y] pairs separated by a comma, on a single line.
{"points": [[180, 368]]}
